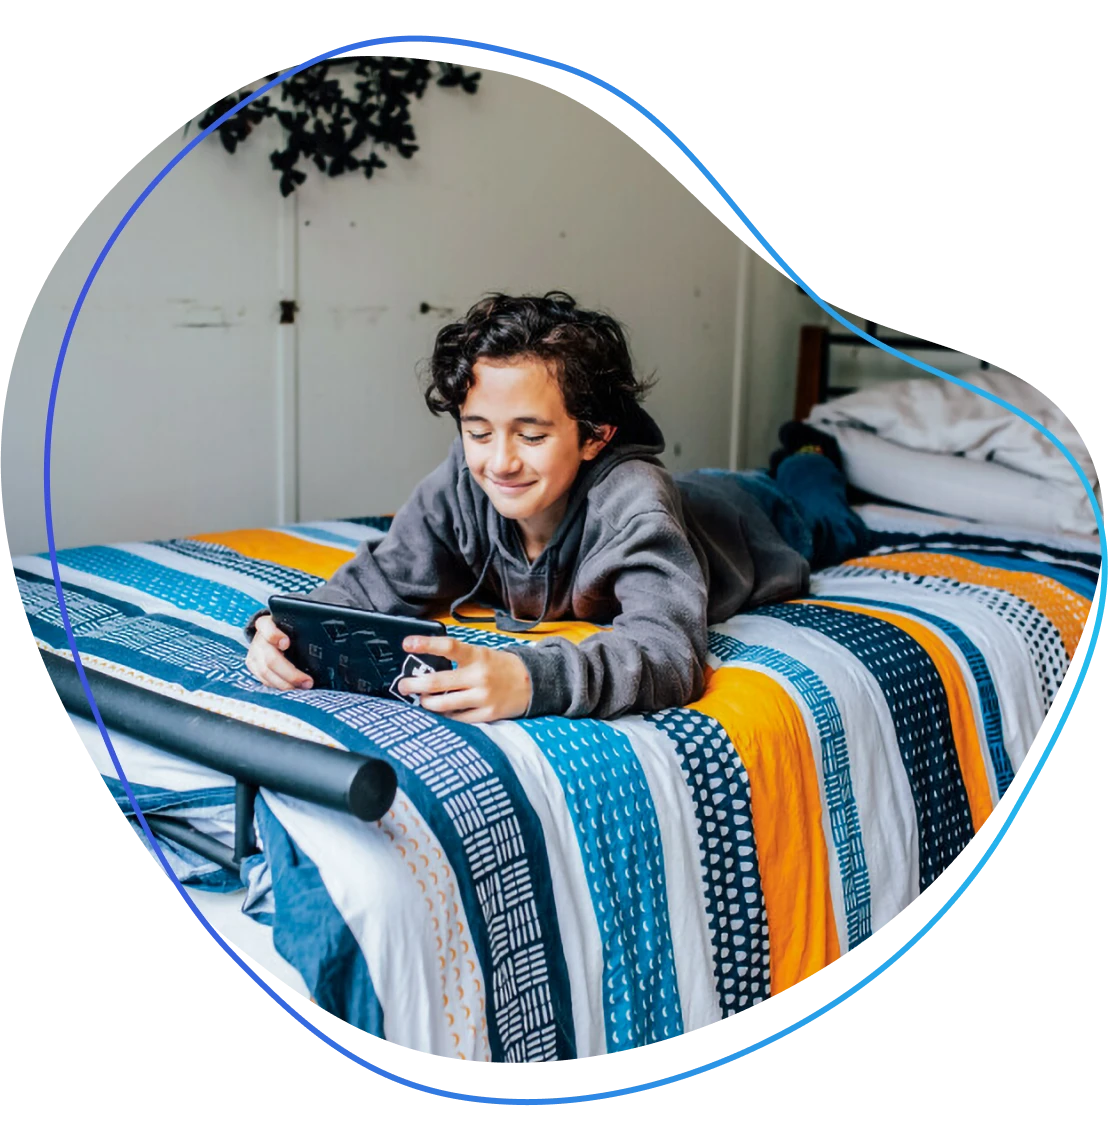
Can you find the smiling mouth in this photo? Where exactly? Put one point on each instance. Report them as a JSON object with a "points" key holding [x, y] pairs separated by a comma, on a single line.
{"points": [[511, 488]]}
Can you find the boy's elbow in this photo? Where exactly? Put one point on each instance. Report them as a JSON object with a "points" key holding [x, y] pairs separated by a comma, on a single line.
{"points": [[690, 683], [673, 683]]}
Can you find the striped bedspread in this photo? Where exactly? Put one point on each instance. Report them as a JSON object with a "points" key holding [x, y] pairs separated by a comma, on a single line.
{"points": [[550, 888]]}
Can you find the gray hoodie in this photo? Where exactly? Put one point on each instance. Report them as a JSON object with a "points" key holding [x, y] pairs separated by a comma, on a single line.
{"points": [[657, 559]]}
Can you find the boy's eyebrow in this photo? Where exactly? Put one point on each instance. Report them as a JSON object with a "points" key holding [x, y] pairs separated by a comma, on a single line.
{"points": [[472, 418]]}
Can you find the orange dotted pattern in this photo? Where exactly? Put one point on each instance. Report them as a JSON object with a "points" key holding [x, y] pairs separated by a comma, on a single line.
{"points": [[460, 977]]}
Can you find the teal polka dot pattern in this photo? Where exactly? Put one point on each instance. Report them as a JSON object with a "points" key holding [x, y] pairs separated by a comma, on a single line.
{"points": [[185, 591], [482, 637], [621, 849]]}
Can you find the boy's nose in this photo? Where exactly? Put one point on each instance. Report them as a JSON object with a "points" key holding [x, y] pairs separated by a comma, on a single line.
{"points": [[505, 460]]}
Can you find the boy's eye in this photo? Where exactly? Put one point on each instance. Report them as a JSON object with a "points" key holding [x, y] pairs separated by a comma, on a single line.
{"points": [[479, 435], [534, 439]]}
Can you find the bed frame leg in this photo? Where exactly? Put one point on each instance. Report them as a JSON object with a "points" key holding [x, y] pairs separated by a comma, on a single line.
{"points": [[245, 845]]}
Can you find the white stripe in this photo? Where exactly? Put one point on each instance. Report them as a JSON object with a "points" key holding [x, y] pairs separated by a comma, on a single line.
{"points": [[315, 540], [146, 602], [345, 529], [969, 681], [197, 567], [684, 871], [377, 893], [580, 934], [1000, 641], [882, 792]]}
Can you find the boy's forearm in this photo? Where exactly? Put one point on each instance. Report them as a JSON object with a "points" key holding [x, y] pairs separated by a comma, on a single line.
{"points": [[608, 676]]}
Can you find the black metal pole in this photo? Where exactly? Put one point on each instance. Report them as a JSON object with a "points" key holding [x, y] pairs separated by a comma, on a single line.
{"points": [[342, 780], [173, 830], [245, 793]]}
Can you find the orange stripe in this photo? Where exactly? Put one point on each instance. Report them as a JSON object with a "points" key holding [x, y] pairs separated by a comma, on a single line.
{"points": [[575, 631], [963, 724], [283, 549], [1067, 610], [770, 737]]}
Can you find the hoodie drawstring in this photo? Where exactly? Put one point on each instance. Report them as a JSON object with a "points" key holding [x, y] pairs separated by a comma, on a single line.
{"points": [[469, 596], [504, 621]]}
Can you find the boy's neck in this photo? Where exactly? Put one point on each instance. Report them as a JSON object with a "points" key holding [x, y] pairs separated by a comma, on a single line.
{"points": [[535, 533]]}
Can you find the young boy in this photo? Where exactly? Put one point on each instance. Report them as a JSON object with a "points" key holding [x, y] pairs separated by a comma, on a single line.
{"points": [[553, 505]]}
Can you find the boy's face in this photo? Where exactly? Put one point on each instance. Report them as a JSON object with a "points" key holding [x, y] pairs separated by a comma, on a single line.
{"points": [[521, 445]]}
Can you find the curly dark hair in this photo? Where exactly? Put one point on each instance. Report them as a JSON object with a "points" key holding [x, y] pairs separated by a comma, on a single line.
{"points": [[587, 352]]}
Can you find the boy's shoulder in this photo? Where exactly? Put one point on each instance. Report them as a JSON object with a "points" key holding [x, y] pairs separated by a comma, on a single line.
{"points": [[634, 487]]}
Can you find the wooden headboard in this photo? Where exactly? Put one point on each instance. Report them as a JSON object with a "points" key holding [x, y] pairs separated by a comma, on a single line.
{"points": [[813, 367]]}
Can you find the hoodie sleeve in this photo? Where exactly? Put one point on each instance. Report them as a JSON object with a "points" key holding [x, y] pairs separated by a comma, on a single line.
{"points": [[416, 567], [654, 654]]}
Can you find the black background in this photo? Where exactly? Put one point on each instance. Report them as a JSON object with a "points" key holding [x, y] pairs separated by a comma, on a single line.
{"points": [[943, 206]]}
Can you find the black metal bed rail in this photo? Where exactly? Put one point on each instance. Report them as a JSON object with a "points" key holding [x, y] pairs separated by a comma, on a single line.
{"points": [[253, 756]]}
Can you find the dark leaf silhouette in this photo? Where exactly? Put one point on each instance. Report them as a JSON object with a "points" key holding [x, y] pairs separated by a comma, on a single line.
{"points": [[339, 126]]}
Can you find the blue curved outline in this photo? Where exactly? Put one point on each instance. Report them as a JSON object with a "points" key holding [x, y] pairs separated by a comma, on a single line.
{"points": [[800, 282]]}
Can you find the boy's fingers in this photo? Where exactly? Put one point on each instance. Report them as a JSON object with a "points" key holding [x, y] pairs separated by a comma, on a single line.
{"points": [[261, 672], [450, 702], [267, 629], [431, 682], [279, 666], [474, 715]]}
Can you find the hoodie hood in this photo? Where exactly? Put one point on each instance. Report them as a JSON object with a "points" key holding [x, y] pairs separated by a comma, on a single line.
{"points": [[638, 438]]}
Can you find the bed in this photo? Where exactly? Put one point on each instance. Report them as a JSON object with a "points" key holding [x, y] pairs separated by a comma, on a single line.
{"points": [[553, 888]]}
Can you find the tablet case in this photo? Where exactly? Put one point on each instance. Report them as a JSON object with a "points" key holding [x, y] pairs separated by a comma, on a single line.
{"points": [[354, 650]]}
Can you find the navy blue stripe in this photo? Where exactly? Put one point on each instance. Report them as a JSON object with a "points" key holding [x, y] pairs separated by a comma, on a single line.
{"points": [[986, 689], [377, 522], [921, 716], [720, 790], [40, 601]]}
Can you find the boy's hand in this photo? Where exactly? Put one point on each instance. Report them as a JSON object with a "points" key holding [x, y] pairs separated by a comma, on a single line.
{"points": [[266, 659], [487, 685]]}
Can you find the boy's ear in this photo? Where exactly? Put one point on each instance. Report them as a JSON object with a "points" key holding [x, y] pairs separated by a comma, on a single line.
{"points": [[595, 445]]}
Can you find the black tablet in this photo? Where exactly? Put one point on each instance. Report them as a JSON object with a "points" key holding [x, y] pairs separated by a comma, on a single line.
{"points": [[354, 650]]}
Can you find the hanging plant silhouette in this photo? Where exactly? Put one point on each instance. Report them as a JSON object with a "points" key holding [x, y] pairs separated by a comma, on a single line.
{"points": [[340, 130]]}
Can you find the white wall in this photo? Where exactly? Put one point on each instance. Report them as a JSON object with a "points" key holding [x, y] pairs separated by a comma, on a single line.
{"points": [[164, 407], [184, 407], [776, 311], [516, 189]]}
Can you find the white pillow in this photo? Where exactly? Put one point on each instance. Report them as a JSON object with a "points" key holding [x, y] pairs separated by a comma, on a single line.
{"points": [[985, 491], [935, 415]]}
